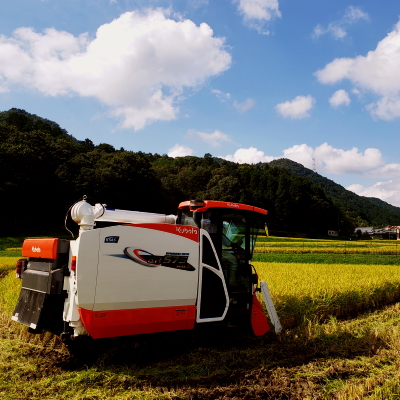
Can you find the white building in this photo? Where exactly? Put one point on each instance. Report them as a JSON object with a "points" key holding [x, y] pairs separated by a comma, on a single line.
{"points": [[333, 233], [365, 229]]}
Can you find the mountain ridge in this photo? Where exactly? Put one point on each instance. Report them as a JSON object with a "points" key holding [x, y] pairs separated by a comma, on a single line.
{"points": [[372, 211]]}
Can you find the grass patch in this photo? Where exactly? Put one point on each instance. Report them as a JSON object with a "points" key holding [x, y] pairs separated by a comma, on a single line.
{"points": [[11, 242], [315, 258], [10, 246]]}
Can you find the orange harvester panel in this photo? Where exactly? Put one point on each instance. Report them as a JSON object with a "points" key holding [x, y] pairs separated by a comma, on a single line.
{"points": [[111, 323], [259, 321], [40, 248], [224, 204]]}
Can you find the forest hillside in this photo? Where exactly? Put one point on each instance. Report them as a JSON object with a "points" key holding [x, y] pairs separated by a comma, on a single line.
{"points": [[44, 170], [365, 211]]}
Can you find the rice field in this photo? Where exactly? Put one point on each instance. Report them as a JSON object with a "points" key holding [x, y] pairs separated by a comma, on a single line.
{"points": [[7, 263], [315, 292], [328, 349], [314, 280]]}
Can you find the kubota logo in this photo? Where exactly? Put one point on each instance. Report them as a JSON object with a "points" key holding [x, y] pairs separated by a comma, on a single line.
{"points": [[233, 205], [36, 249], [191, 231]]}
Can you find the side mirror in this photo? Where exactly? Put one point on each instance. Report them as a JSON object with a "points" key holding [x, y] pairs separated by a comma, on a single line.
{"points": [[254, 279]]}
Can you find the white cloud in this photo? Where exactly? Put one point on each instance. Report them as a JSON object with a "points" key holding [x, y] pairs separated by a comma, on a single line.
{"points": [[179, 151], [338, 29], [353, 14], [241, 107], [248, 156], [328, 160], [356, 188], [377, 72], [214, 139], [300, 153], [298, 108], [339, 161], [386, 108], [197, 3], [3, 85], [257, 12], [221, 95], [388, 191], [139, 64], [245, 106], [385, 171], [339, 97]]}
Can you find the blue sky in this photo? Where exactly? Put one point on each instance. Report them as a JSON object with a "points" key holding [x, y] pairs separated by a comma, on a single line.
{"points": [[248, 80]]}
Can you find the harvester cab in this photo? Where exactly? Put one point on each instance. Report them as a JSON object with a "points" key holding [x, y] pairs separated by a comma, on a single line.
{"points": [[132, 273], [232, 230]]}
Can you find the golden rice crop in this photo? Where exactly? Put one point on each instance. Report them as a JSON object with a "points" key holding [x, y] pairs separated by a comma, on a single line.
{"points": [[10, 287], [328, 250], [304, 292], [286, 239], [7, 263], [330, 243]]}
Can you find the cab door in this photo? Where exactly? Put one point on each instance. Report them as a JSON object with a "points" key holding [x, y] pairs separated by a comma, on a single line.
{"points": [[213, 299]]}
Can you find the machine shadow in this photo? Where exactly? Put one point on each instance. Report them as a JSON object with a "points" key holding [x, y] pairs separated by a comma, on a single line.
{"points": [[215, 355], [146, 349]]}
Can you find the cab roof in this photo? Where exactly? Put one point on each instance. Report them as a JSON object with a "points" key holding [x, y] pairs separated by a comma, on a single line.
{"points": [[221, 204]]}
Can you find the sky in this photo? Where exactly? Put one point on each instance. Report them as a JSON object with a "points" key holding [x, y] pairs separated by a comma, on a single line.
{"points": [[315, 81]]}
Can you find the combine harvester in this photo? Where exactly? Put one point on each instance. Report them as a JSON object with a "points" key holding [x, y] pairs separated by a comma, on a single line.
{"points": [[132, 273]]}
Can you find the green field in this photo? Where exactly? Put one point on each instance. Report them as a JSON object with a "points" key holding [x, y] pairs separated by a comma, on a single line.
{"points": [[342, 341]]}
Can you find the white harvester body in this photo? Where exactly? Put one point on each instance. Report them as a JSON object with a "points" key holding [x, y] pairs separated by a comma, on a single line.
{"points": [[142, 274]]}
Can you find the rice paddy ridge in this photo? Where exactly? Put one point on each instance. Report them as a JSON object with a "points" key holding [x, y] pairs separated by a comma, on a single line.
{"points": [[314, 246]]}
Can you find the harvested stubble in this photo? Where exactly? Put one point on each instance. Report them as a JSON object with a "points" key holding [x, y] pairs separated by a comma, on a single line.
{"points": [[315, 292]]}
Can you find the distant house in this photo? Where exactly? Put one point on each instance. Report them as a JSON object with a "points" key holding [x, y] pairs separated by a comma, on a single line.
{"points": [[362, 231], [333, 233], [389, 232]]}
